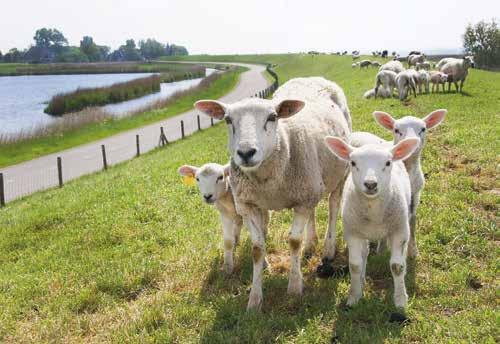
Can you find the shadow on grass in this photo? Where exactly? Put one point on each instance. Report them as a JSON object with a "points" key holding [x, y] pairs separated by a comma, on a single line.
{"points": [[283, 317]]}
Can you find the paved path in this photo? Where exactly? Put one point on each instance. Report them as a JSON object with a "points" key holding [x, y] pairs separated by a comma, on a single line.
{"points": [[41, 173]]}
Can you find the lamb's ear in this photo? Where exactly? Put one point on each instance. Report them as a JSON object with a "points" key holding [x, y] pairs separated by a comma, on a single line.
{"points": [[211, 108], [288, 108], [384, 119], [434, 118], [187, 170], [227, 170], [405, 148], [339, 147]]}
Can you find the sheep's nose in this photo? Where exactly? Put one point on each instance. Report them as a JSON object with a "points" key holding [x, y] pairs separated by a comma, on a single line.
{"points": [[207, 197], [247, 154], [370, 185]]}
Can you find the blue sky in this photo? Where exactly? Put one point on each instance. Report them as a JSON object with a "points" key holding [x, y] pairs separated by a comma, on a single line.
{"points": [[257, 26]]}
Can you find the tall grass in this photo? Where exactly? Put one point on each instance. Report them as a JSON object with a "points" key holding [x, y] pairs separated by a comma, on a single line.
{"points": [[119, 92]]}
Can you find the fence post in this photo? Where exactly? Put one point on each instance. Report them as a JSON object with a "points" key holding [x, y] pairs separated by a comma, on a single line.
{"points": [[211, 121], [59, 171], [137, 145], [2, 191], [182, 129], [104, 161], [163, 138], [199, 124]]}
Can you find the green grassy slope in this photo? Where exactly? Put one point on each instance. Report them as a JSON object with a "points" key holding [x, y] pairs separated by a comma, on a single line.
{"points": [[133, 255]]}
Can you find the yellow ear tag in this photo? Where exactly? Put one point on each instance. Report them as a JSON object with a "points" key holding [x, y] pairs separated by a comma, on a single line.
{"points": [[189, 180]]}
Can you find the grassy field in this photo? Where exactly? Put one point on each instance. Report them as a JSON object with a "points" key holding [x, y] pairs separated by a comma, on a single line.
{"points": [[12, 153], [132, 255], [176, 69]]}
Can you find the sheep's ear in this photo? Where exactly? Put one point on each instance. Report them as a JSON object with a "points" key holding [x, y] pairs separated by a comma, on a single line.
{"points": [[188, 170], [434, 118], [405, 148], [339, 147], [288, 108], [227, 170], [384, 119], [211, 108]]}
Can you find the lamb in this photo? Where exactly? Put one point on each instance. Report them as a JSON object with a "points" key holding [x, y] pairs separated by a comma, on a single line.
{"points": [[213, 182], [457, 70], [395, 66], [376, 200], [423, 65], [376, 64], [406, 82], [382, 92], [438, 78], [414, 59], [386, 79], [354, 65], [423, 79], [410, 127], [279, 161], [364, 63]]}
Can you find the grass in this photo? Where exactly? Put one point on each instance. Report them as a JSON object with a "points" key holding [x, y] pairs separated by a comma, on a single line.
{"points": [[176, 69], [72, 133], [97, 96], [132, 255]]}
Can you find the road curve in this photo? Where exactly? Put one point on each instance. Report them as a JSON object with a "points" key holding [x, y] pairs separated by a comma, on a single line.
{"points": [[41, 173]]}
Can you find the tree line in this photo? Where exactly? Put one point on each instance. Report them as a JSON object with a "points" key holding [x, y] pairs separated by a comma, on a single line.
{"points": [[51, 46]]}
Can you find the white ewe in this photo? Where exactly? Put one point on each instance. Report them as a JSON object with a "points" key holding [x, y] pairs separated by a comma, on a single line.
{"points": [[279, 161], [395, 66], [411, 127], [376, 201], [457, 71]]}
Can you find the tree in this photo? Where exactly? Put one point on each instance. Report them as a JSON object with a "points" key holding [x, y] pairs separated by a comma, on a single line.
{"points": [[151, 48], [174, 50], [48, 38], [130, 51], [89, 48], [13, 55], [1, 56], [483, 41]]}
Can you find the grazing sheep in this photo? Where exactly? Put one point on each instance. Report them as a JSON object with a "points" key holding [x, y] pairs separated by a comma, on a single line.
{"points": [[423, 65], [414, 59], [406, 82], [354, 65], [355, 57], [376, 203], [386, 79], [411, 127], [457, 70], [279, 161], [395, 66], [423, 79], [213, 182], [376, 64], [364, 63], [382, 93], [438, 78]]}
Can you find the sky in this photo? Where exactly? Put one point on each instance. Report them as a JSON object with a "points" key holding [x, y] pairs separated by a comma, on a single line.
{"points": [[252, 26]]}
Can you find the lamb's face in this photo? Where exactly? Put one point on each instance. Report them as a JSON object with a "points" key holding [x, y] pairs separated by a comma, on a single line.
{"points": [[252, 126], [443, 77], [210, 178], [371, 165]]}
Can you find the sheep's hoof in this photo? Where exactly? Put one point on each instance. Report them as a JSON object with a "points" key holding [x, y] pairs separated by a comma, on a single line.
{"points": [[295, 287], [352, 300], [254, 302], [401, 300], [228, 269], [309, 252]]}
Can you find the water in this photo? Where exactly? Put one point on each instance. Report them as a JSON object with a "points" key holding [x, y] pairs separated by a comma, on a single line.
{"points": [[23, 98]]}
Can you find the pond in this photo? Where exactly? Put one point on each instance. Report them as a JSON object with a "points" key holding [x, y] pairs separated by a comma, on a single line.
{"points": [[23, 98]]}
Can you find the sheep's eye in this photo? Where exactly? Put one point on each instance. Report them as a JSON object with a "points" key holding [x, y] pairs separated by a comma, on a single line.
{"points": [[219, 179], [228, 120], [272, 118], [353, 164], [397, 131], [197, 179], [423, 130], [388, 163]]}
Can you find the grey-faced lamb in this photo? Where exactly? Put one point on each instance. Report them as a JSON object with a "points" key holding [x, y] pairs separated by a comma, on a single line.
{"points": [[279, 161], [376, 64], [411, 127], [376, 203]]}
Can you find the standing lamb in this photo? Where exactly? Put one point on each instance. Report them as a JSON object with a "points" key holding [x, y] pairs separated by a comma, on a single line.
{"points": [[386, 79], [376, 201], [457, 70], [423, 79], [279, 161], [438, 78], [414, 59], [364, 64], [411, 127], [354, 65], [406, 82], [395, 66], [423, 65], [376, 64]]}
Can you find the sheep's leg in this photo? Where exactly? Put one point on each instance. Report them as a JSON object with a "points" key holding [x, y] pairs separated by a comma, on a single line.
{"points": [[412, 243], [399, 243], [456, 86], [330, 237], [311, 236], [254, 222], [364, 255], [300, 218], [356, 247], [449, 86], [461, 86], [237, 224], [229, 242]]}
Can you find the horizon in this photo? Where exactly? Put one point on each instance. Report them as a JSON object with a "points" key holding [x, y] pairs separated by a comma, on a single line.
{"points": [[221, 28]]}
